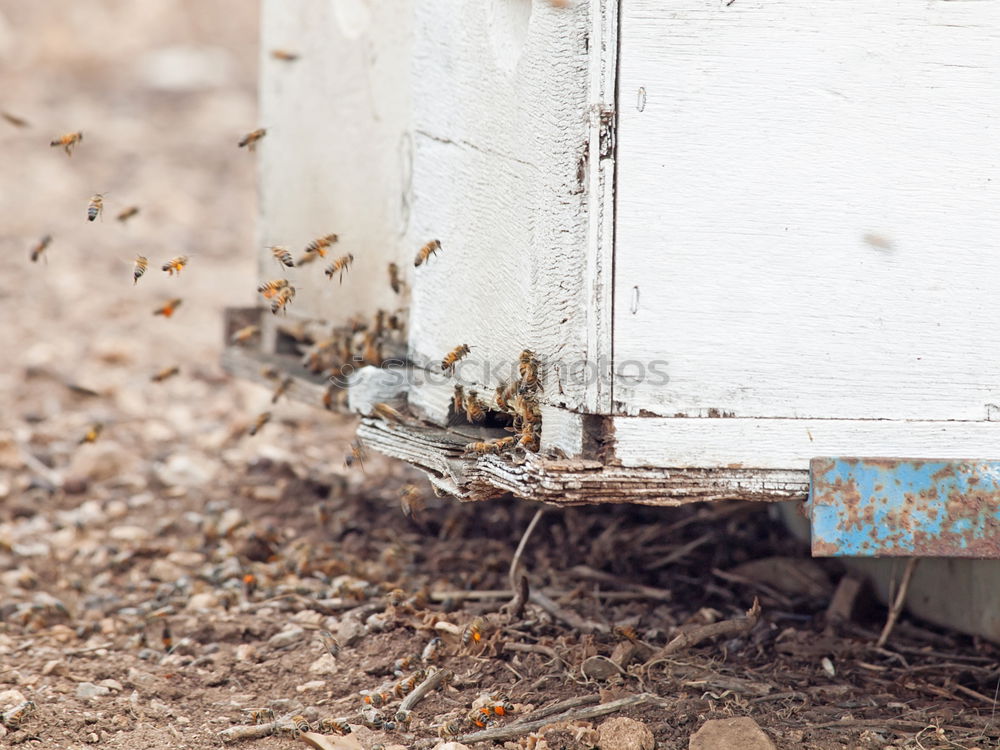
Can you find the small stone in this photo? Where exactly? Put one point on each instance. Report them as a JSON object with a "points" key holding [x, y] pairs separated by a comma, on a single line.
{"points": [[203, 601], [11, 698], [599, 668], [111, 685], [50, 666], [311, 685], [87, 690], [140, 679], [349, 631], [286, 638], [231, 519], [246, 652], [186, 559], [323, 665], [163, 570], [740, 733], [622, 733], [129, 533]]}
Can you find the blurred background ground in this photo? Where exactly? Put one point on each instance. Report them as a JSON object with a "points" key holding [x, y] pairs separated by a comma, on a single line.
{"points": [[126, 614]]}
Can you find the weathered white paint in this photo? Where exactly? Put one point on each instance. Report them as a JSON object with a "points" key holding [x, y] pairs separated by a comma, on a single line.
{"points": [[790, 443], [807, 204]]}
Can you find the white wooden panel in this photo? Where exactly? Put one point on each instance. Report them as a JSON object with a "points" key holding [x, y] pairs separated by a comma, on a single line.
{"points": [[790, 443], [759, 143], [502, 126], [336, 156]]}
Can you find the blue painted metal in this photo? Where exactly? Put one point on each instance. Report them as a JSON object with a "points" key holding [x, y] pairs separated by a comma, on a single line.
{"points": [[898, 507]]}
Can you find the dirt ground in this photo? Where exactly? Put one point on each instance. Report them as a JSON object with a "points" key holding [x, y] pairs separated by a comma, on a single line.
{"points": [[157, 584]]}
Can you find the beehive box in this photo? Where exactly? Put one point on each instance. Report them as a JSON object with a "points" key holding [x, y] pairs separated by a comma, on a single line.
{"points": [[737, 235]]}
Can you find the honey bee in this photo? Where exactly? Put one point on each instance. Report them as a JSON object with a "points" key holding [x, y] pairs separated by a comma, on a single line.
{"points": [[175, 264], [38, 249], [449, 730], [96, 206], [405, 663], [299, 726], [404, 717], [626, 632], [491, 446], [169, 308], [426, 251], [375, 699], [529, 438], [474, 411], [271, 288], [259, 715], [249, 585], [340, 265], [528, 369], [505, 392], [382, 410], [141, 264], [433, 650], [405, 686], [331, 644], [333, 397], [166, 372], [166, 638], [334, 726], [16, 716], [243, 335], [261, 420], [68, 141], [357, 453], [127, 213], [281, 301], [279, 391], [458, 400], [394, 281], [281, 254], [270, 372], [526, 410], [371, 351], [473, 632], [503, 708], [92, 434], [284, 55], [318, 247], [452, 357], [250, 139], [411, 501], [480, 717], [17, 122]]}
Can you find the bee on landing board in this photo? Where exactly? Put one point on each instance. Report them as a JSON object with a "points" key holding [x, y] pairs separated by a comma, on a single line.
{"points": [[175, 265], [474, 411], [39, 248], [505, 393], [280, 302], [92, 434], [281, 254], [339, 265], [169, 308], [395, 282], [96, 206], [382, 410], [17, 122], [452, 357], [141, 264], [249, 141], [166, 372], [127, 213], [492, 446], [262, 419], [424, 253], [271, 288], [527, 367], [68, 142]]}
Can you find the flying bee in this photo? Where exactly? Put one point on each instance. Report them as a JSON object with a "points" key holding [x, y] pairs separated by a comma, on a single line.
{"points": [[426, 251], [96, 206], [452, 357], [340, 265], [166, 372], [333, 397], [168, 308], [358, 453], [433, 650], [250, 139], [259, 715], [458, 400], [243, 335], [261, 420], [474, 411], [382, 410], [473, 632], [404, 687], [141, 264], [319, 245], [92, 434], [330, 643], [411, 500], [17, 122], [271, 288], [16, 716], [38, 249], [127, 213], [281, 254], [68, 141], [334, 726], [281, 301], [284, 55], [527, 367], [394, 281], [280, 389], [175, 264]]}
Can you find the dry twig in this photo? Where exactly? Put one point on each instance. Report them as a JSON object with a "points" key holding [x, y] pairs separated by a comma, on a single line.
{"points": [[431, 683], [534, 648], [734, 627], [584, 571], [570, 618], [898, 602]]}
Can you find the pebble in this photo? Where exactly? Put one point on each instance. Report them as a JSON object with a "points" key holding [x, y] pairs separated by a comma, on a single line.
{"points": [[111, 685], [140, 679], [11, 698], [164, 570], [203, 601], [740, 733], [89, 690], [230, 520], [129, 533], [599, 668], [323, 665], [186, 559], [286, 638], [623, 733], [311, 685], [246, 652], [183, 470], [51, 666]]}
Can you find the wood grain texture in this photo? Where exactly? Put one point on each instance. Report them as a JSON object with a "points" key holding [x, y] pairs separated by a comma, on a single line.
{"points": [[807, 205], [790, 443]]}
